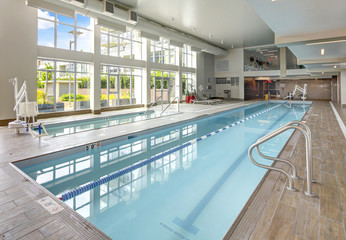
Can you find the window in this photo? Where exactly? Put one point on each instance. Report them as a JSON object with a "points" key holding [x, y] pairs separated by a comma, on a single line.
{"points": [[188, 83], [120, 86], [163, 52], [55, 30], [162, 85], [119, 44], [62, 86], [188, 57]]}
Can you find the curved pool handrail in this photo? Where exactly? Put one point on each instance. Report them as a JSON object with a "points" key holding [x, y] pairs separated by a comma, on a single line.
{"points": [[152, 104], [307, 134], [178, 100]]}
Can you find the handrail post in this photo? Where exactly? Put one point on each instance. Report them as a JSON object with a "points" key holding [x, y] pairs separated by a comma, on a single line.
{"points": [[307, 134], [171, 104]]}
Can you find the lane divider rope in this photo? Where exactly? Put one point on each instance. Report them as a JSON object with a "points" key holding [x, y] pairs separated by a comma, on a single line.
{"points": [[82, 189]]}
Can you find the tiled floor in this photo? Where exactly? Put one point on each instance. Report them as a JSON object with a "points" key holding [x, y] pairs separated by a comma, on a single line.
{"points": [[277, 213], [274, 212]]}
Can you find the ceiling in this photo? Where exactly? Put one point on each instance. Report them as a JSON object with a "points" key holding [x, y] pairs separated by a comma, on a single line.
{"points": [[238, 23], [232, 22], [306, 27]]}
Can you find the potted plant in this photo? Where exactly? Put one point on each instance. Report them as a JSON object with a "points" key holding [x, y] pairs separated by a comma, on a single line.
{"points": [[187, 97], [192, 97]]}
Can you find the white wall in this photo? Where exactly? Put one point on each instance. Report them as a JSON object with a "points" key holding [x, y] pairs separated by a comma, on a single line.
{"points": [[18, 44], [205, 71], [343, 87], [236, 61]]}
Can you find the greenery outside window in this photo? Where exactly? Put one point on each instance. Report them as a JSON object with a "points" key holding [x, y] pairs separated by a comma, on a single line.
{"points": [[62, 85], [120, 86]]}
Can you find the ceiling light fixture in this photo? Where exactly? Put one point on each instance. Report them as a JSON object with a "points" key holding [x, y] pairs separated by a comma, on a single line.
{"points": [[326, 42], [334, 66], [322, 51]]}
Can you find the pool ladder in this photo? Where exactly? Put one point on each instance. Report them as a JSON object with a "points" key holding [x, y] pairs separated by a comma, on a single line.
{"points": [[302, 127], [151, 105], [178, 100]]}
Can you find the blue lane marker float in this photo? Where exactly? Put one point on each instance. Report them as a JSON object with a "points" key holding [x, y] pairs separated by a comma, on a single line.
{"points": [[87, 187]]}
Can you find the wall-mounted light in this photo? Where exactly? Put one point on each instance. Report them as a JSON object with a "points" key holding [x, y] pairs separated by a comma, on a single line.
{"points": [[322, 51]]}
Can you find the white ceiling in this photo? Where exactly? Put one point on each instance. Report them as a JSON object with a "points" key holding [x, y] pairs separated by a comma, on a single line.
{"points": [[232, 21], [297, 23], [241, 23]]}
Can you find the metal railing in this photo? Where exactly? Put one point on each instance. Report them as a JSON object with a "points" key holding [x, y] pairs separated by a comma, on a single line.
{"points": [[178, 100], [307, 134], [154, 103]]}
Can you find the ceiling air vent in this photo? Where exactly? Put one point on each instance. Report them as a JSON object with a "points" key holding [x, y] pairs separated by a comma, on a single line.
{"points": [[132, 17], [108, 7]]}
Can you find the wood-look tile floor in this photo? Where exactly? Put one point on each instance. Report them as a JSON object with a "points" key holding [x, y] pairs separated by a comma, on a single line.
{"points": [[274, 212], [277, 213]]}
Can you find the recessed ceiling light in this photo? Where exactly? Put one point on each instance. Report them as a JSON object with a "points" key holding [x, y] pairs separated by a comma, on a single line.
{"points": [[322, 51], [335, 66]]}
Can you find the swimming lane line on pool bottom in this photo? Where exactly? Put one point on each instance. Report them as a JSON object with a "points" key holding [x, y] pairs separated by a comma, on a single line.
{"points": [[110, 177]]}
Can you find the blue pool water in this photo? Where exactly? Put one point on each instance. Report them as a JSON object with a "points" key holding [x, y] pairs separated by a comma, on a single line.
{"points": [[58, 129], [195, 192]]}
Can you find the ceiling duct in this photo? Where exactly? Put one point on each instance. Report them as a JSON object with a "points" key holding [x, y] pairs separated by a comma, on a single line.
{"points": [[176, 43], [150, 36], [108, 24], [50, 7], [95, 8], [195, 49]]}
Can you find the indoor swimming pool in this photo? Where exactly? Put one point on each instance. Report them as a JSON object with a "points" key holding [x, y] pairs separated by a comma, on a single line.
{"points": [[64, 128], [188, 181]]}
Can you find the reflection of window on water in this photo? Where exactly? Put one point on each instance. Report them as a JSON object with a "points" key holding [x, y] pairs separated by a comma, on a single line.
{"points": [[64, 169], [189, 130], [156, 141], [119, 153], [130, 185]]}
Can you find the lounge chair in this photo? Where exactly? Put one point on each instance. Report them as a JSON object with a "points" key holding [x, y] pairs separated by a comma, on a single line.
{"points": [[203, 101], [215, 100]]}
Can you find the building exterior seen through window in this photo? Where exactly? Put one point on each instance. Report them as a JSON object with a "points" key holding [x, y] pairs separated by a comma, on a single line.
{"points": [[163, 52], [121, 44], [120, 86], [62, 85]]}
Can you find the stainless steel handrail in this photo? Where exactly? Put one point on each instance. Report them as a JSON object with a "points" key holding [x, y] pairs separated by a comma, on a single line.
{"points": [[307, 134], [154, 103], [171, 104]]}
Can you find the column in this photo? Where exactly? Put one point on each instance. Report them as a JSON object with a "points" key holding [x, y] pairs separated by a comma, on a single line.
{"points": [[95, 72]]}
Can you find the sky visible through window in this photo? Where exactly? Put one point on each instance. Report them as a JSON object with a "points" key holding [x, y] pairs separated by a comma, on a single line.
{"points": [[65, 36]]}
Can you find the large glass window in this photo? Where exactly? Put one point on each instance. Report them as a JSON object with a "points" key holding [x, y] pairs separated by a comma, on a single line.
{"points": [[119, 44], [162, 85], [188, 57], [62, 85], [59, 31], [163, 52], [120, 86], [188, 83]]}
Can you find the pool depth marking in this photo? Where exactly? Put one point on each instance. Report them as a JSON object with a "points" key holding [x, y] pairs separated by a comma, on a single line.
{"points": [[103, 180]]}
